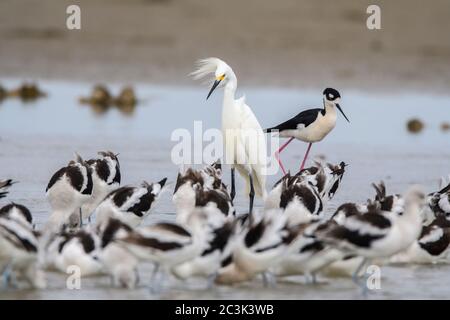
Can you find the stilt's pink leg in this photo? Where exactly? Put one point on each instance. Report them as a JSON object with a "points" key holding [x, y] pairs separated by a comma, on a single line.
{"points": [[277, 154], [306, 156]]}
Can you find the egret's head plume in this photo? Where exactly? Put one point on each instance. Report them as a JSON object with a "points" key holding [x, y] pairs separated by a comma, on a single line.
{"points": [[221, 71]]}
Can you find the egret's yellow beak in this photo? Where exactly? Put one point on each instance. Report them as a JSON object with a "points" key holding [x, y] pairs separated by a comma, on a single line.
{"points": [[215, 84]]}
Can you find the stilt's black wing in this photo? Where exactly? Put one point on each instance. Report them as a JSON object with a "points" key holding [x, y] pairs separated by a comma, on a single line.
{"points": [[305, 117]]}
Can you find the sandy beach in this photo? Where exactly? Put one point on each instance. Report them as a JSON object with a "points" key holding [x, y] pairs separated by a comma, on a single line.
{"points": [[290, 43]]}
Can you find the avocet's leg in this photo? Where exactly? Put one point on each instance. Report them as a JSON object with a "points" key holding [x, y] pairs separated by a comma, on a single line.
{"points": [[306, 156], [7, 276], [155, 282], [277, 154], [251, 194], [211, 278], [81, 219], [355, 276], [233, 186], [269, 279]]}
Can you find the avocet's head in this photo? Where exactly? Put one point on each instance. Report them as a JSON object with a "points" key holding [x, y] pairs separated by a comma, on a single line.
{"points": [[223, 74], [333, 98]]}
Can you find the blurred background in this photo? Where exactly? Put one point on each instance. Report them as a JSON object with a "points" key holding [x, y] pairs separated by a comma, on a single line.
{"points": [[295, 43]]}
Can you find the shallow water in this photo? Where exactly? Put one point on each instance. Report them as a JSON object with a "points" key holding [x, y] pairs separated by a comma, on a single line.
{"points": [[37, 138]]}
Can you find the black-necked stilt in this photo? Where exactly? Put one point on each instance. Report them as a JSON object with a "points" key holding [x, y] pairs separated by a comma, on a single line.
{"points": [[377, 234], [311, 125], [243, 137], [69, 188], [130, 204], [4, 185]]}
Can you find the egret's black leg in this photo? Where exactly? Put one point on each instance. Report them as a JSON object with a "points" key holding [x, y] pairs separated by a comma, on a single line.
{"points": [[251, 194], [233, 187]]}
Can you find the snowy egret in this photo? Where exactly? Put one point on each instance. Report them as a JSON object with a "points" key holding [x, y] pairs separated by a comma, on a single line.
{"points": [[311, 125], [243, 137]]}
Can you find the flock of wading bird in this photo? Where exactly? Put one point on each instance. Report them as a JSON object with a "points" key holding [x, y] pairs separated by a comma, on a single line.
{"points": [[97, 225]]}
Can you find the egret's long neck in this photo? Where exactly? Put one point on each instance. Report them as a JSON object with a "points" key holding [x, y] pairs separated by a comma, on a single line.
{"points": [[229, 111], [230, 91]]}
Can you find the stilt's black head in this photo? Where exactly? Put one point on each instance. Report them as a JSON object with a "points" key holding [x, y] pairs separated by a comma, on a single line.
{"points": [[331, 94]]}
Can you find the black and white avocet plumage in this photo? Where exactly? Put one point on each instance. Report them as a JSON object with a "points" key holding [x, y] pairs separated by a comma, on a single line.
{"points": [[201, 188], [260, 245], [221, 232], [17, 212], [117, 261], [80, 249], [311, 125], [69, 188], [439, 202], [389, 204], [377, 234], [105, 179], [4, 185], [168, 244], [307, 191], [130, 204], [432, 246], [19, 250]]}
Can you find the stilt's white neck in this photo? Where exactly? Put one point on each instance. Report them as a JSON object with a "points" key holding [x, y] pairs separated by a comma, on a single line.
{"points": [[330, 107]]}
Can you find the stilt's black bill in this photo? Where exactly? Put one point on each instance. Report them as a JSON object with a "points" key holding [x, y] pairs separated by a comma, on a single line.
{"points": [[339, 107], [216, 83]]}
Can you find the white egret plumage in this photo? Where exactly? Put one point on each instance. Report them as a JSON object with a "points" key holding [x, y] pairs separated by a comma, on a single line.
{"points": [[243, 137]]}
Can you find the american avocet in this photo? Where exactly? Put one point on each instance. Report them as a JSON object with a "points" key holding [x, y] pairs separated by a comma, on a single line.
{"points": [[311, 125], [243, 137], [105, 179], [439, 202], [260, 245], [117, 261], [432, 246], [130, 204], [377, 234], [18, 212], [19, 248], [308, 190], [80, 249], [168, 244], [4, 185], [201, 188], [219, 247], [69, 188]]}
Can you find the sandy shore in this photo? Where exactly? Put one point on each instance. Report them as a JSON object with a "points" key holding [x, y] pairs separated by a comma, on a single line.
{"points": [[290, 43]]}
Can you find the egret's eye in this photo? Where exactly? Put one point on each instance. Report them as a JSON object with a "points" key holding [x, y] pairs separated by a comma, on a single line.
{"points": [[220, 78]]}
